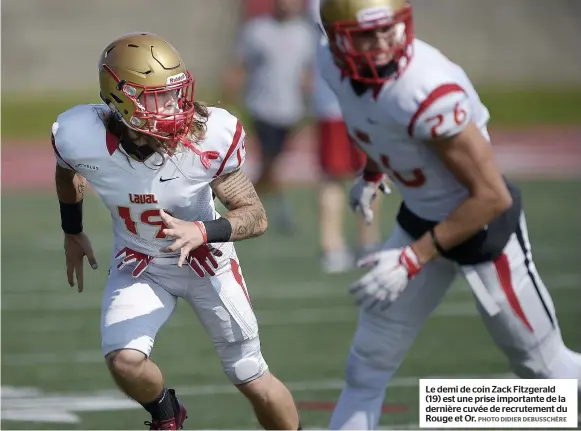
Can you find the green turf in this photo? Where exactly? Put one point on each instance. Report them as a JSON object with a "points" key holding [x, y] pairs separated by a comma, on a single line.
{"points": [[23, 118], [521, 108], [50, 333]]}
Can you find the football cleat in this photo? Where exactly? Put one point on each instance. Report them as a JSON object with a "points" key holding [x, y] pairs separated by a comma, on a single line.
{"points": [[175, 423]]}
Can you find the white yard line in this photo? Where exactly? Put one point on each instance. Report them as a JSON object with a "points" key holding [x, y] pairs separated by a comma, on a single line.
{"points": [[13, 393], [32, 404]]}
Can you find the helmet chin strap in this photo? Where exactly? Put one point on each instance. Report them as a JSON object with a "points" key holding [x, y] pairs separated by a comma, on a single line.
{"points": [[384, 71]]}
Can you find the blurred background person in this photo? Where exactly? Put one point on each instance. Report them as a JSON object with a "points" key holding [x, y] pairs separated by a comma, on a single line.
{"points": [[273, 61], [339, 162]]}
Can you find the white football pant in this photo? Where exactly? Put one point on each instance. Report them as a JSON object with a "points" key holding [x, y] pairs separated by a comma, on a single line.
{"points": [[525, 328], [134, 310]]}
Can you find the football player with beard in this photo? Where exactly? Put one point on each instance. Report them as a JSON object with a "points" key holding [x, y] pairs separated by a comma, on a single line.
{"points": [[157, 157], [420, 121]]}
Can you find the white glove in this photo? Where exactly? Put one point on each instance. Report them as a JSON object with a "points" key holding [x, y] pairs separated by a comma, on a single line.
{"points": [[364, 192], [392, 269]]}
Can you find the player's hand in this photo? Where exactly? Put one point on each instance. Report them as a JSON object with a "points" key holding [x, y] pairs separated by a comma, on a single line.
{"points": [[76, 248], [203, 261], [363, 193], [391, 270], [128, 256], [187, 234]]}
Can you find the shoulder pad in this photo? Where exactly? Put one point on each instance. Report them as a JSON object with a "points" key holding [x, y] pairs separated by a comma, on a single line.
{"points": [[430, 98], [442, 113], [79, 134], [226, 136]]}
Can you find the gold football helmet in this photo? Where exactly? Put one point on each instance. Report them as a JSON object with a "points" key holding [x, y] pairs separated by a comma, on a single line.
{"points": [[346, 21], [145, 82]]}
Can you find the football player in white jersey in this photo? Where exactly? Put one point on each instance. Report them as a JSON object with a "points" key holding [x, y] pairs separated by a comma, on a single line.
{"points": [[420, 121], [156, 158]]}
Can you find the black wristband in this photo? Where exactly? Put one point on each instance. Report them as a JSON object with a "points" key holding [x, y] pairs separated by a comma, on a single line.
{"points": [[219, 230], [72, 217], [436, 243]]}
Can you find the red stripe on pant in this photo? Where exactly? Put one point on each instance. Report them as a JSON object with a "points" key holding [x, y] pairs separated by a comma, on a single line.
{"points": [[238, 277], [503, 271]]}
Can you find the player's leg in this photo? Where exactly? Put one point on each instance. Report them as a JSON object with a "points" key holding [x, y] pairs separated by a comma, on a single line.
{"points": [[336, 254], [133, 311], [382, 340], [339, 161], [272, 139], [272, 402], [223, 306], [335, 167], [526, 328]]}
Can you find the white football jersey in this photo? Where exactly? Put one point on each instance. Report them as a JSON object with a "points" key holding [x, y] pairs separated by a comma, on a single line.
{"points": [[432, 99], [134, 192]]}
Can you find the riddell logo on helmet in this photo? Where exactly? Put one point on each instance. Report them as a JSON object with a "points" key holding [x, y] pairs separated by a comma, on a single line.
{"points": [[174, 79], [374, 13]]}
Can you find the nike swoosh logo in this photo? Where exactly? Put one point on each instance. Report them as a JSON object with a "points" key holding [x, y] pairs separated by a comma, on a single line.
{"points": [[163, 180]]}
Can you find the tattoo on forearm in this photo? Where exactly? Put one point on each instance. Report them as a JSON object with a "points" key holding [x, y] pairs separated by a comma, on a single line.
{"points": [[246, 212], [70, 186], [81, 190], [247, 222]]}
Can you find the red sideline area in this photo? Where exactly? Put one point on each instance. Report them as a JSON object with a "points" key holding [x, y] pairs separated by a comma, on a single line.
{"points": [[533, 153]]}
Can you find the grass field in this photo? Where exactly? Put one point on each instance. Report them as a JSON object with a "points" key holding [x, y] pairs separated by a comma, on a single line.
{"points": [[51, 342], [509, 107], [53, 375]]}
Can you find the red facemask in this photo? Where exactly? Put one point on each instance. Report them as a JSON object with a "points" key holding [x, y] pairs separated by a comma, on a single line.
{"points": [[158, 121], [362, 65], [151, 115]]}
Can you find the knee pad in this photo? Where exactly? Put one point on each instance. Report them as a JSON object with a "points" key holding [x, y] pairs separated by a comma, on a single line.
{"points": [[243, 362], [361, 373], [246, 370]]}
